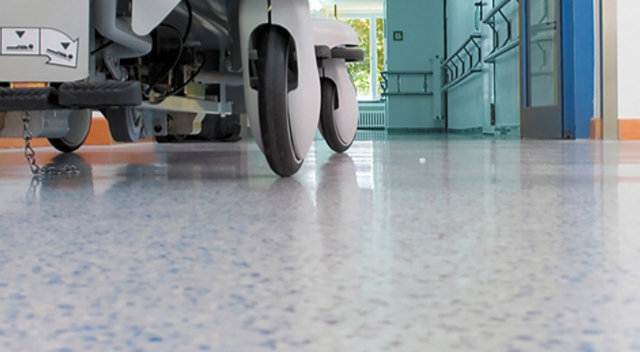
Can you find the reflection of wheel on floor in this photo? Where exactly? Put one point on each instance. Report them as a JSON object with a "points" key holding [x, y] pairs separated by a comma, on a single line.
{"points": [[328, 126], [276, 62], [79, 125]]}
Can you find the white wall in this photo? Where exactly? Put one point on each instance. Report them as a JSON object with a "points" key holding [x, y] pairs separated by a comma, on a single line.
{"points": [[628, 59]]}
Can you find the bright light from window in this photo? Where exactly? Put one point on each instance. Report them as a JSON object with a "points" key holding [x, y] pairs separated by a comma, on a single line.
{"points": [[316, 5]]}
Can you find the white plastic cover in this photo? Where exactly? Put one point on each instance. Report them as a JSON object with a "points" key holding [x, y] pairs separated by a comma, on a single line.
{"points": [[148, 14]]}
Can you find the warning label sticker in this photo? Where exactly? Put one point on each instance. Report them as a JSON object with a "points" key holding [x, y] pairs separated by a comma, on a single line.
{"points": [[20, 41], [61, 49]]}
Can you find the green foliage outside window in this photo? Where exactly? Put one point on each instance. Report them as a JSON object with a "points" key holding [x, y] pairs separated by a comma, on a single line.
{"points": [[380, 53], [361, 71]]}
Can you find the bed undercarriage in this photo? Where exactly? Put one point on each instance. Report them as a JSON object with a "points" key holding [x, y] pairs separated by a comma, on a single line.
{"points": [[166, 68]]}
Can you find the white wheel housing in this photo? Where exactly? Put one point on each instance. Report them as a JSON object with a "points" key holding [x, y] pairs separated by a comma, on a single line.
{"points": [[304, 101]]}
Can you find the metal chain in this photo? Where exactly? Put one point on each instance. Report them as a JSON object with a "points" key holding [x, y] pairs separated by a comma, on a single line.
{"points": [[30, 154]]}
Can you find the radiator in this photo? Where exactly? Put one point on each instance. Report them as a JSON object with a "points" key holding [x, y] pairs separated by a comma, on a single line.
{"points": [[371, 119]]}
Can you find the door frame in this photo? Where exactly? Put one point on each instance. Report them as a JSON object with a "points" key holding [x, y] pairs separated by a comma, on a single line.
{"points": [[544, 122], [609, 52]]}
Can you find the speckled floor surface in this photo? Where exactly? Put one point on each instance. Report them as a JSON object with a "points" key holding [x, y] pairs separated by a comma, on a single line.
{"points": [[406, 244]]}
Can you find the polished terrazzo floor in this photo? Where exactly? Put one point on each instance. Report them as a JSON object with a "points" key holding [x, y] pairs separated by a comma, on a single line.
{"points": [[408, 243]]}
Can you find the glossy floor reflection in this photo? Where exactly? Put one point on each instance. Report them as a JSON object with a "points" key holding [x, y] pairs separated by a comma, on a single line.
{"points": [[411, 243]]}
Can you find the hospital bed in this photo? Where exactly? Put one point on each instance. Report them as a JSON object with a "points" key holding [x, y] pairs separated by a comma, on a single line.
{"points": [[161, 67]]}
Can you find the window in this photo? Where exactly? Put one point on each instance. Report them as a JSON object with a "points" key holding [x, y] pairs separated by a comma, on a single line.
{"points": [[361, 71], [367, 21], [366, 74]]}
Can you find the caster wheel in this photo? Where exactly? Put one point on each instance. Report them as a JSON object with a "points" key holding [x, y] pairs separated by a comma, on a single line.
{"points": [[329, 127], [79, 125], [275, 62], [208, 131], [125, 123], [220, 129], [227, 129]]}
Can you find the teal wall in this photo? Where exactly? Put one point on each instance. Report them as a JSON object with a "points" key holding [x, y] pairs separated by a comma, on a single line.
{"points": [[507, 74], [507, 78], [470, 101], [423, 46]]}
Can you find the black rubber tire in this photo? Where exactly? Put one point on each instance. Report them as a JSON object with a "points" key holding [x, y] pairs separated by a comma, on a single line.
{"points": [[328, 127], [74, 139], [124, 124], [274, 55], [221, 129]]}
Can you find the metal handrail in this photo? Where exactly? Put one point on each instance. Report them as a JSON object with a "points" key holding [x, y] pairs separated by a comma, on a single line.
{"points": [[385, 82], [500, 47], [462, 63], [496, 9], [491, 58], [471, 38]]}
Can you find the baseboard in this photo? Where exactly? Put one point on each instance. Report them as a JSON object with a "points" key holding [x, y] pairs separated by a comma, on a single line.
{"points": [[629, 129], [595, 128], [472, 130], [415, 130], [99, 133], [507, 130], [10, 143]]}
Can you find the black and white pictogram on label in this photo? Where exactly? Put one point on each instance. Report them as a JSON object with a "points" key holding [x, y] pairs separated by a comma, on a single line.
{"points": [[21, 41], [60, 49]]}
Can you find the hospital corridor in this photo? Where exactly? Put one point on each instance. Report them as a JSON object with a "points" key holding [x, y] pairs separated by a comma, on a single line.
{"points": [[319, 175]]}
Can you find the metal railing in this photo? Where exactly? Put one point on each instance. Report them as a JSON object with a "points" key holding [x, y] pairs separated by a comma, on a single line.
{"points": [[501, 47], [397, 77], [463, 63]]}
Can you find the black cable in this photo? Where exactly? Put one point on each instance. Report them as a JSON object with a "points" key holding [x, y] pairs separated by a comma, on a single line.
{"points": [[183, 85], [189, 21], [182, 37], [175, 63], [101, 47]]}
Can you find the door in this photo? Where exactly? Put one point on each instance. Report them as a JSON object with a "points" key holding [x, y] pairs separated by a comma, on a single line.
{"points": [[541, 60]]}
